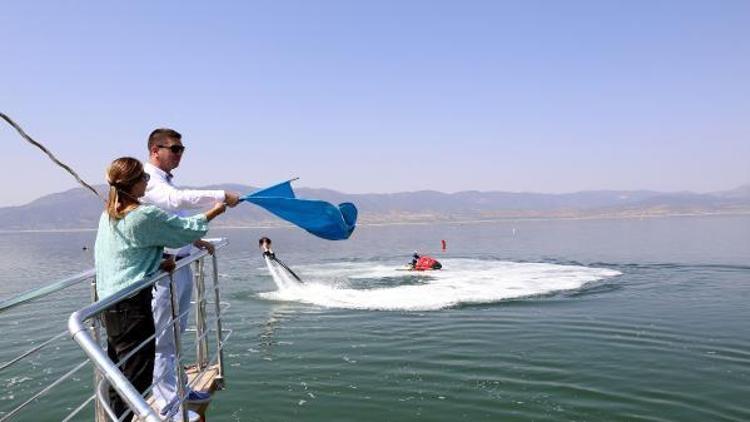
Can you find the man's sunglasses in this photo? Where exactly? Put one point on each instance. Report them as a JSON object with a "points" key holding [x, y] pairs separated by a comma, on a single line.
{"points": [[177, 149]]}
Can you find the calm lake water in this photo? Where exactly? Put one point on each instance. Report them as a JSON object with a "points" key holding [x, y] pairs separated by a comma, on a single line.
{"points": [[530, 320]]}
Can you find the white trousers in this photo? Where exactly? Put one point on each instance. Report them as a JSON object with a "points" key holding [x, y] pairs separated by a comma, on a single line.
{"points": [[165, 363]]}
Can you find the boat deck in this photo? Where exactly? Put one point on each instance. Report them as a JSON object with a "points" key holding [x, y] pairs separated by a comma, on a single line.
{"points": [[210, 381]]}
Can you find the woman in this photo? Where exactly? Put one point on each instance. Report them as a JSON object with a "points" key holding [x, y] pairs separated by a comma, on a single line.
{"points": [[129, 246]]}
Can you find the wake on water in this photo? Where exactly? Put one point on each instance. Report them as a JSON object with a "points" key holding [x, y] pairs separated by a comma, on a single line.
{"points": [[464, 281]]}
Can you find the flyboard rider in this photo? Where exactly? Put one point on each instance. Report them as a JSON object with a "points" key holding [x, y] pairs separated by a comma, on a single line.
{"points": [[264, 244]]}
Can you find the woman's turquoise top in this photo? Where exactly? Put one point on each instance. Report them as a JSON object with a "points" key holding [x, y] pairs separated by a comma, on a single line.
{"points": [[128, 249]]}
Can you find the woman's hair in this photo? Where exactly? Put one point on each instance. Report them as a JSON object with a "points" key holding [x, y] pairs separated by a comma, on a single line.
{"points": [[122, 175]]}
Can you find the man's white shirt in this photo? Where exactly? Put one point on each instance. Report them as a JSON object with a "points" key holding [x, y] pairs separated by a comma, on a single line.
{"points": [[182, 202]]}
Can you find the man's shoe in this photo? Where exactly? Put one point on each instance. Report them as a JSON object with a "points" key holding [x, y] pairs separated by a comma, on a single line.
{"points": [[198, 397], [172, 413], [191, 417], [170, 409]]}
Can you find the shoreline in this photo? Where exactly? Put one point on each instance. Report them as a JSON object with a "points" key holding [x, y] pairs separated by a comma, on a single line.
{"points": [[436, 221]]}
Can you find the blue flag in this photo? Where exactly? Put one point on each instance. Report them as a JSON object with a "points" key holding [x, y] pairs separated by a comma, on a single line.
{"points": [[320, 218]]}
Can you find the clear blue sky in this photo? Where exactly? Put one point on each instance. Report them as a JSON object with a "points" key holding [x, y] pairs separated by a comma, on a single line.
{"points": [[384, 96]]}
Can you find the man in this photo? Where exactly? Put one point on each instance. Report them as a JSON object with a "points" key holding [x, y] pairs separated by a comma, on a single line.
{"points": [[165, 152], [264, 244], [414, 259]]}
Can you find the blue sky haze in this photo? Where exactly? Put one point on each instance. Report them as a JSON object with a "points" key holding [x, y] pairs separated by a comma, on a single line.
{"points": [[384, 96]]}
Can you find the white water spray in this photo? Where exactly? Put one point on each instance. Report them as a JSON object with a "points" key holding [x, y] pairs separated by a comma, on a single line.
{"points": [[464, 281], [284, 281]]}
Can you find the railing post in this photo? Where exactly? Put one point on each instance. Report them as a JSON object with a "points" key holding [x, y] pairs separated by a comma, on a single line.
{"points": [[219, 332], [179, 373], [201, 340], [99, 414]]}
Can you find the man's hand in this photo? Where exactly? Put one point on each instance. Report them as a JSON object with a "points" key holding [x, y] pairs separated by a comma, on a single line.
{"points": [[168, 264], [231, 198], [202, 244]]}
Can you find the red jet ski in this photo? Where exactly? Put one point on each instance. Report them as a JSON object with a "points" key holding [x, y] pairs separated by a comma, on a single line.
{"points": [[427, 263], [424, 263]]}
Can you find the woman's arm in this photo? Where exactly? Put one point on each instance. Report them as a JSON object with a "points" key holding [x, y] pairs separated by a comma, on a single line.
{"points": [[156, 227], [217, 210]]}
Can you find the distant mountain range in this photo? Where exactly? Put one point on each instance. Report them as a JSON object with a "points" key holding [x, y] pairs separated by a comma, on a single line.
{"points": [[79, 209]]}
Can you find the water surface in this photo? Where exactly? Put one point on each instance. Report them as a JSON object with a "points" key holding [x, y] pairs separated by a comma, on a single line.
{"points": [[531, 320]]}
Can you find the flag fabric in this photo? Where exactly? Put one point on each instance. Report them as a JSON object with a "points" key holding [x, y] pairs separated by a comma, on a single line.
{"points": [[320, 218]]}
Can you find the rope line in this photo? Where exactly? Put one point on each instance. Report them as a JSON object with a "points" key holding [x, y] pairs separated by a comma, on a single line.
{"points": [[49, 154]]}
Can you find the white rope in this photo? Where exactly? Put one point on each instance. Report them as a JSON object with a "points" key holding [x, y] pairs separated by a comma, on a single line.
{"points": [[49, 154]]}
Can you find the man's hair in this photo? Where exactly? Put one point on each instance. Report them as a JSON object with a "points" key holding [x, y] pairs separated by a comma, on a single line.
{"points": [[264, 240], [159, 136]]}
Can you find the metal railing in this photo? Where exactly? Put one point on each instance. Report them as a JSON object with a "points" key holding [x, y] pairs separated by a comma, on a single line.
{"points": [[13, 365], [85, 327]]}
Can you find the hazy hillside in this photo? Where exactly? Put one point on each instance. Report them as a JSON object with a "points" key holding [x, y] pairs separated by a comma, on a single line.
{"points": [[78, 208]]}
